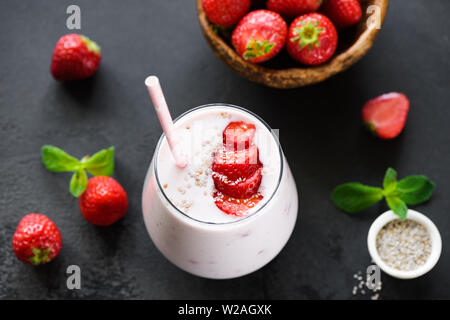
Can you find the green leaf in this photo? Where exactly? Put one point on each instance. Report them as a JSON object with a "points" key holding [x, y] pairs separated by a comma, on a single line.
{"points": [[398, 206], [355, 197], [390, 181], [56, 160], [78, 183], [101, 163], [415, 189]]}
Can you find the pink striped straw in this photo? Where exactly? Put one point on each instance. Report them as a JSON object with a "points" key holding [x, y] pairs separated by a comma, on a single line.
{"points": [[163, 113]]}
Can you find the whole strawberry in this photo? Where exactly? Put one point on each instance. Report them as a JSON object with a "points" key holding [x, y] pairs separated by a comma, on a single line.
{"points": [[312, 39], [75, 57], [386, 115], [104, 201], [37, 239], [259, 36], [293, 8], [344, 13], [225, 12]]}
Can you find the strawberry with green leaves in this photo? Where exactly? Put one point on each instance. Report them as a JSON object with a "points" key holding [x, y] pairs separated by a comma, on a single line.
{"points": [[355, 197], [102, 199], [75, 57], [37, 239], [104, 202], [259, 36], [312, 39]]}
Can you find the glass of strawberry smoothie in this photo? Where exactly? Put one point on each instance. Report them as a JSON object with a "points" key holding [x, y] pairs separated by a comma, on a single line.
{"points": [[233, 207]]}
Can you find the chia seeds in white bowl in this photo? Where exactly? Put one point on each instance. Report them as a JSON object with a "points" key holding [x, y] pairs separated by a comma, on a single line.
{"points": [[404, 244], [404, 249]]}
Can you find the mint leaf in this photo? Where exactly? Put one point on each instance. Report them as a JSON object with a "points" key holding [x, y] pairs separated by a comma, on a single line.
{"points": [[78, 183], [415, 189], [398, 206], [56, 160], [101, 163], [412, 190], [390, 181], [355, 197]]}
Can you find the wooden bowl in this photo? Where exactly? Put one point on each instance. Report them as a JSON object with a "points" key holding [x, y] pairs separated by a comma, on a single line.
{"points": [[354, 43]]}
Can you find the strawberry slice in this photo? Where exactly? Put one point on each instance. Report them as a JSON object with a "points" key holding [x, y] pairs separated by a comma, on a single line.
{"points": [[234, 206], [238, 135], [237, 164], [386, 115], [240, 188]]}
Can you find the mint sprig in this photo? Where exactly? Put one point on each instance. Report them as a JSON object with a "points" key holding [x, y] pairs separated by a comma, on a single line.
{"points": [[356, 197], [99, 164]]}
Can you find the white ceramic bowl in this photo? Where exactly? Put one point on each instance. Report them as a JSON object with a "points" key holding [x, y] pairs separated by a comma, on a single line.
{"points": [[436, 244]]}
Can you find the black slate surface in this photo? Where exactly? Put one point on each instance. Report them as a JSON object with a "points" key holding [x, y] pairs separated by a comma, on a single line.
{"points": [[320, 130]]}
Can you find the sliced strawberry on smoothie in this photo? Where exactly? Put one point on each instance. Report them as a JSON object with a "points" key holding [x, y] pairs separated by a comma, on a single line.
{"points": [[233, 206], [236, 164], [240, 188], [386, 115], [236, 170], [238, 135]]}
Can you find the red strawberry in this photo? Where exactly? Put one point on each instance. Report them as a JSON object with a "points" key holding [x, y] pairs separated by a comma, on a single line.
{"points": [[386, 115], [104, 201], [225, 12], [293, 8], [344, 13], [37, 239], [237, 207], [259, 36], [312, 39], [236, 164], [238, 135], [240, 188], [75, 57]]}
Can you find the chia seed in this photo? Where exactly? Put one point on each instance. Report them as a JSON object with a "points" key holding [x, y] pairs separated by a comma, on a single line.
{"points": [[404, 244], [361, 287]]}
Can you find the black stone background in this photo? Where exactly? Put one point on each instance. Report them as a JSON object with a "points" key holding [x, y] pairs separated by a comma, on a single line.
{"points": [[320, 129]]}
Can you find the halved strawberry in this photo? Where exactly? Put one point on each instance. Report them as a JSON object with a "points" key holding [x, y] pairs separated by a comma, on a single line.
{"points": [[386, 115], [238, 135], [234, 206], [239, 188], [236, 164]]}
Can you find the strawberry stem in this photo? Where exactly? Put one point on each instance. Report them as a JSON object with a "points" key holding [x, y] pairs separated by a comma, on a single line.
{"points": [[40, 256], [308, 35], [257, 48], [91, 45], [370, 126]]}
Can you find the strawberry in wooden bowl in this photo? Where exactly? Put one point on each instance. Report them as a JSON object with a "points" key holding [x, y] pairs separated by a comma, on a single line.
{"points": [[252, 45]]}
